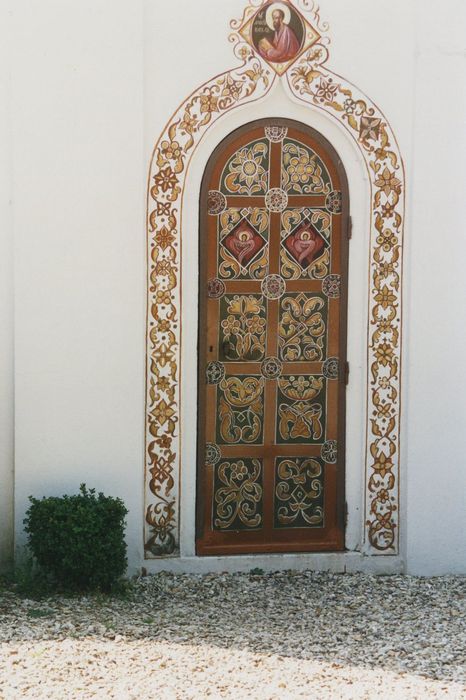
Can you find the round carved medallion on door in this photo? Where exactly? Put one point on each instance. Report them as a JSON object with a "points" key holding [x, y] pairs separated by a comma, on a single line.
{"points": [[216, 202], [276, 200], [215, 288], [212, 454], [271, 368], [273, 287], [333, 202], [331, 368], [329, 451], [331, 286], [214, 372]]}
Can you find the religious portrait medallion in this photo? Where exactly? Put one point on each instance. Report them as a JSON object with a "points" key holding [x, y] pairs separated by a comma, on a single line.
{"points": [[279, 34]]}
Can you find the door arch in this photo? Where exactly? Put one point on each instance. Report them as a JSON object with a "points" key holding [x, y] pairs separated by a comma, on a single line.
{"points": [[273, 268]]}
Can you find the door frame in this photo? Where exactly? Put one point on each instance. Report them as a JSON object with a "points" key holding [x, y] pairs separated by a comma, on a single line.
{"points": [[345, 234]]}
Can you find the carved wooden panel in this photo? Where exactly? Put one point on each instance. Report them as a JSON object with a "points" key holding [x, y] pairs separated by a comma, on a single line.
{"points": [[272, 343]]}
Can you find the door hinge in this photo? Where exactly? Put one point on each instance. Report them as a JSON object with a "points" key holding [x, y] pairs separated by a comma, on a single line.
{"points": [[346, 514], [346, 373], [350, 228]]}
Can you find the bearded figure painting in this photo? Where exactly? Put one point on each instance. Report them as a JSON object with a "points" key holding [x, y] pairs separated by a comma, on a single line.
{"points": [[278, 32]]}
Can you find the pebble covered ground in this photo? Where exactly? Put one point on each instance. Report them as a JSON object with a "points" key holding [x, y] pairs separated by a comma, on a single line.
{"points": [[273, 636]]}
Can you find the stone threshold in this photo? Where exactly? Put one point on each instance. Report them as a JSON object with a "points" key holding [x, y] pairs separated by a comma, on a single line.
{"points": [[335, 562]]}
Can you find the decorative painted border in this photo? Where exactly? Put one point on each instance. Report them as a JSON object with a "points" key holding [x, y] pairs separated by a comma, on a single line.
{"points": [[313, 84]]}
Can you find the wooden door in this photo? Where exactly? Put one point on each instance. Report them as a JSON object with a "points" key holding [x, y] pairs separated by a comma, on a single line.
{"points": [[272, 343]]}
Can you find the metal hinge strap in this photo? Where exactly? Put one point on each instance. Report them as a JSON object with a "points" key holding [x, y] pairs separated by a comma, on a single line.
{"points": [[350, 228]]}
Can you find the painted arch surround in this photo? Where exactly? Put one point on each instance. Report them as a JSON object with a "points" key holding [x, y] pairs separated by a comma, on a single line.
{"points": [[309, 92]]}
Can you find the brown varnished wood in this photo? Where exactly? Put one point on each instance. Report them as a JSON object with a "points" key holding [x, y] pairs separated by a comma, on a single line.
{"points": [[329, 537]]}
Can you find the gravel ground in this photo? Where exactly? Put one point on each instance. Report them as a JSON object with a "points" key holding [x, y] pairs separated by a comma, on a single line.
{"points": [[274, 636]]}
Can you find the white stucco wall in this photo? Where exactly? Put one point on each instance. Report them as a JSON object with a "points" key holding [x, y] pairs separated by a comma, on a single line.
{"points": [[79, 188], [93, 84], [435, 397], [6, 298]]}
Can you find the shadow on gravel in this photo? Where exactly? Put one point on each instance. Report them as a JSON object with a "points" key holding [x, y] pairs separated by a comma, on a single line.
{"points": [[400, 624]]}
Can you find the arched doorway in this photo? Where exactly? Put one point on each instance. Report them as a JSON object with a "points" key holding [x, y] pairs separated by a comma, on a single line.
{"points": [[272, 343]]}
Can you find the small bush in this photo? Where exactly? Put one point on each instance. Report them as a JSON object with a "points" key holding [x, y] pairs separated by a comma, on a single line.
{"points": [[28, 580], [78, 541]]}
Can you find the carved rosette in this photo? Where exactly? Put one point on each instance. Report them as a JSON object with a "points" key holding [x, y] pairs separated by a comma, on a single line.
{"points": [[276, 200], [331, 368], [331, 286], [212, 454], [216, 202], [273, 286], [329, 451], [333, 202], [215, 288], [271, 368], [214, 372]]}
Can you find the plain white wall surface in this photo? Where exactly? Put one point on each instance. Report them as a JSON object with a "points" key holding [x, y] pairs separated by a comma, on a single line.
{"points": [[6, 297], [93, 83], [435, 330], [79, 190]]}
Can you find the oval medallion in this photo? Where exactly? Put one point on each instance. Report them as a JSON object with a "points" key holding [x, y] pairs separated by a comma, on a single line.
{"points": [[331, 368], [276, 199], [271, 368], [216, 202], [329, 451], [331, 286], [333, 202], [273, 286], [215, 288], [214, 372], [212, 454]]}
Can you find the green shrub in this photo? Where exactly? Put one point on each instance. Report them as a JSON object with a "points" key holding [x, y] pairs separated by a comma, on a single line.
{"points": [[78, 541]]}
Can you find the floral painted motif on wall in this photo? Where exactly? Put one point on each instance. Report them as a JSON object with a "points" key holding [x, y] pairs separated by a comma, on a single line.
{"points": [[275, 39]]}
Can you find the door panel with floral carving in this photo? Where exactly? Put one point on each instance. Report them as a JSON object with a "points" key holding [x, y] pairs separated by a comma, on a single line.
{"points": [[272, 343]]}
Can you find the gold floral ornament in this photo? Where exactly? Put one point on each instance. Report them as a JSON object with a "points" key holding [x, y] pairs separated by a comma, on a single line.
{"points": [[312, 82], [302, 328], [241, 410], [303, 171], [300, 421], [244, 328], [246, 172], [298, 417], [172, 154], [301, 387], [298, 494], [238, 495]]}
